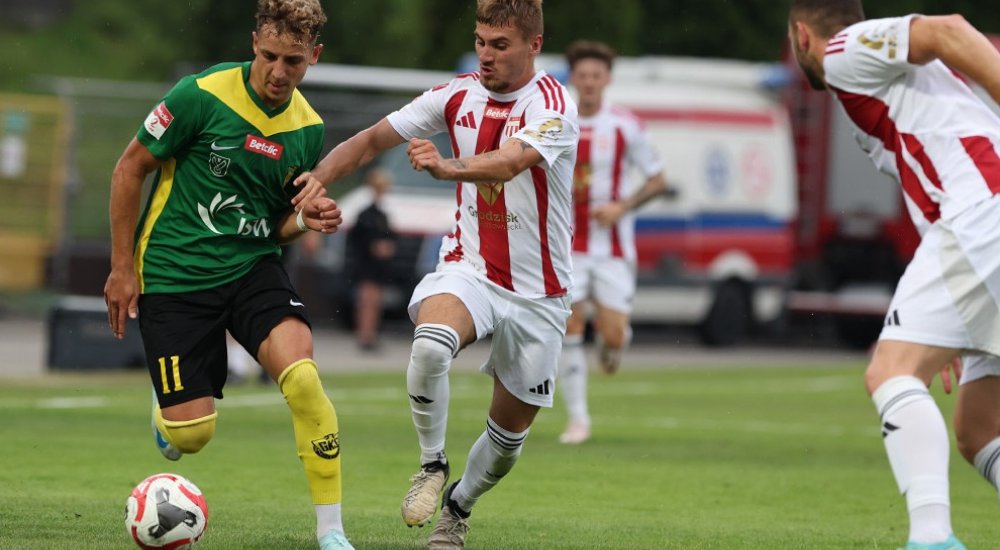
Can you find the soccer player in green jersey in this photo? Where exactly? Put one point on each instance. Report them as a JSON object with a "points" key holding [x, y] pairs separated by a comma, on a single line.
{"points": [[226, 146]]}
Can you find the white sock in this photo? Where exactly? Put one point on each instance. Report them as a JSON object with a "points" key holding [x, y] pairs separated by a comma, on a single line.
{"points": [[988, 462], [328, 517], [490, 459], [434, 346], [916, 441], [573, 378]]}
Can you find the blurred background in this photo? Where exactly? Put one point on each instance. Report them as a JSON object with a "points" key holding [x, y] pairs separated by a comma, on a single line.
{"points": [[782, 233]]}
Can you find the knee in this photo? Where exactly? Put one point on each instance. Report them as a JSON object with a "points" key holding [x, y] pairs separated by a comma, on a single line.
{"points": [[614, 337], [434, 346], [190, 436]]}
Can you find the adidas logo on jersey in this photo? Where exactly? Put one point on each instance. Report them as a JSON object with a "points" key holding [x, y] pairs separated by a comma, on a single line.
{"points": [[467, 121]]}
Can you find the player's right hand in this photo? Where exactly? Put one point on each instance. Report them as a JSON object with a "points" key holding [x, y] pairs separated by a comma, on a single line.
{"points": [[121, 294], [311, 188], [322, 214]]}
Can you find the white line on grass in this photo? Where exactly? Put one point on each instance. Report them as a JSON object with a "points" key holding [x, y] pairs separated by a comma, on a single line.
{"points": [[72, 403]]}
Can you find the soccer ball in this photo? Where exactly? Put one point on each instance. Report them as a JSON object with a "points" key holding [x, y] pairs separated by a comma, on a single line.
{"points": [[166, 511]]}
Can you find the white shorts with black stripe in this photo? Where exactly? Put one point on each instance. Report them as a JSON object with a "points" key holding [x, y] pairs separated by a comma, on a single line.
{"points": [[527, 333], [949, 295]]}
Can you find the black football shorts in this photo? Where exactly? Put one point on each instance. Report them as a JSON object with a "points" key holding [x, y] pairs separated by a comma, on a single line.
{"points": [[184, 333]]}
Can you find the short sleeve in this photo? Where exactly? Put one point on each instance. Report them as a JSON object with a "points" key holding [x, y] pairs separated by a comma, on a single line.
{"points": [[642, 154], [869, 53], [424, 116], [549, 132], [174, 121]]}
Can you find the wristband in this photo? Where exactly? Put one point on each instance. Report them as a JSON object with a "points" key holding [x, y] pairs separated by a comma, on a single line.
{"points": [[301, 223]]}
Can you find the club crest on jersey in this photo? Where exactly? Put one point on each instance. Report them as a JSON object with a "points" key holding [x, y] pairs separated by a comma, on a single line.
{"points": [[264, 147], [490, 191], [512, 127], [218, 165], [158, 121], [581, 178]]}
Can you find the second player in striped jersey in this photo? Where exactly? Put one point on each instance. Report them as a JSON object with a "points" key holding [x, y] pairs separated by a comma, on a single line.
{"points": [[612, 144], [899, 81]]}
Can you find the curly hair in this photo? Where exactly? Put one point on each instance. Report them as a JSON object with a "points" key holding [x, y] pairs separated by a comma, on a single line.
{"points": [[300, 18], [588, 49], [524, 15]]}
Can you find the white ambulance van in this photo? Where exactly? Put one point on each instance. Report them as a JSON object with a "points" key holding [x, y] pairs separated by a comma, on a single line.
{"points": [[718, 256]]}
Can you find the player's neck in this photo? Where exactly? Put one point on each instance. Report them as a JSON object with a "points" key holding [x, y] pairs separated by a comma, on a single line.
{"points": [[589, 108]]}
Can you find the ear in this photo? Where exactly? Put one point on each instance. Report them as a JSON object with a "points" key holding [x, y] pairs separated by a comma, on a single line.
{"points": [[254, 33], [802, 36], [536, 44], [317, 49]]}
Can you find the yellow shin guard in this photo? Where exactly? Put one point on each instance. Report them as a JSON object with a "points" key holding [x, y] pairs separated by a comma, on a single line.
{"points": [[316, 433], [187, 436]]}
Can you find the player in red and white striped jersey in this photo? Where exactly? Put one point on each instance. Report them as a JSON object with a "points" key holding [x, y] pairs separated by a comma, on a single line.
{"points": [[898, 80], [505, 269], [612, 144]]}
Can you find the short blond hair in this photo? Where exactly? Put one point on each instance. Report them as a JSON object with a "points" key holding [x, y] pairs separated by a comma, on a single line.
{"points": [[302, 19], [524, 15]]}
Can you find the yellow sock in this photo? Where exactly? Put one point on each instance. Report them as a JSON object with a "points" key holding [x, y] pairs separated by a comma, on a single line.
{"points": [[187, 436], [316, 433]]}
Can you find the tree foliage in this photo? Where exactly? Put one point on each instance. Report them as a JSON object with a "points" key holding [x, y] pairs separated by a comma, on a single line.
{"points": [[147, 40]]}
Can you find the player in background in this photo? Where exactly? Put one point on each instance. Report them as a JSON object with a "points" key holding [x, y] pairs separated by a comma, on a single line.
{"points": [[899, 81], [204, 257], [504, 270], [612, 142]]}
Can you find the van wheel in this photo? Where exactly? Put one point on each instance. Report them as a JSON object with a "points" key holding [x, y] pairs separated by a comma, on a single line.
{"points": [[730, 318]]}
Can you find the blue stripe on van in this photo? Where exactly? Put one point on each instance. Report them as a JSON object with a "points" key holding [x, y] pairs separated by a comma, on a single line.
{"points": [[715, 221]]}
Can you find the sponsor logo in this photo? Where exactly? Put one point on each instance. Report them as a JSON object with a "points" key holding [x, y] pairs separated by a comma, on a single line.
{"points": [[218, 165], [490, 191], [328, 446], [264, 147], [210, 216], [892, 319], [158, 121], [294, 303], [497, 113], [508, 221], [221, 148]]}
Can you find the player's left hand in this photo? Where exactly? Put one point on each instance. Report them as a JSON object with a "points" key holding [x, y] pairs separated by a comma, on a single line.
{"points": [[953, 365], [311, 188], [322, 214], [607, 214], [424, 155]]}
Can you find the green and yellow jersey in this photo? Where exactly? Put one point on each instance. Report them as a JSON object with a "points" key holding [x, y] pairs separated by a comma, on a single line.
{"points": [[227, 163]]}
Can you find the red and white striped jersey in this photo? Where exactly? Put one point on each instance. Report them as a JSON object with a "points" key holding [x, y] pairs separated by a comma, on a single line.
{"points": [[515, 233], [612, 142], [921, 124]]}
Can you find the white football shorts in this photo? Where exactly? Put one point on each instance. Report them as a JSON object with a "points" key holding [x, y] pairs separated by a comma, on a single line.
{"points": [[527, 333], [608, 281], [949, 295]]}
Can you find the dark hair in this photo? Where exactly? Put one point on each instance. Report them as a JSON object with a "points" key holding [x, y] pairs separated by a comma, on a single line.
{"points": [[524, 15], [826, 17], [588, 49], [300, 18]]}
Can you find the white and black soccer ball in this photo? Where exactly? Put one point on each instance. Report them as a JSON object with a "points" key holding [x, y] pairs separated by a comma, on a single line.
{"points": [[166, 511]]}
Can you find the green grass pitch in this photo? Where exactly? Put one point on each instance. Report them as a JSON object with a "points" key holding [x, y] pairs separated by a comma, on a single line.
{"points": [[700, 457]]}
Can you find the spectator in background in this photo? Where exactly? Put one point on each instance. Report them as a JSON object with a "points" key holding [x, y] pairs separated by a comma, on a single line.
{"points": [[371, 245]]}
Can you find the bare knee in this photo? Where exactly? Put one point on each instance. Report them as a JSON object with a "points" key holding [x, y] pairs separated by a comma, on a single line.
{"points": [[614, 337]]}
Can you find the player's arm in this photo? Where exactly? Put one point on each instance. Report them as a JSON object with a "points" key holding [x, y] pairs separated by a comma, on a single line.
{"points": [[654, 186], [121, 291], [959, 45], [316, 214], [512, 158], [350, 155]]}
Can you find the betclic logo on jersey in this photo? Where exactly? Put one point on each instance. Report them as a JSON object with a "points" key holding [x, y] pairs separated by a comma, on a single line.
{"points": [[264, 147]]}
